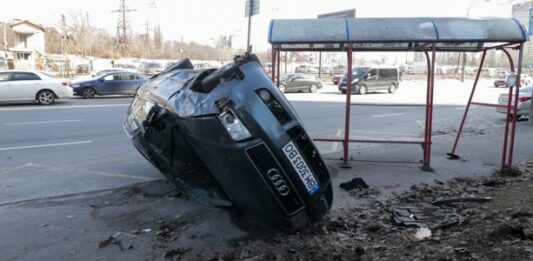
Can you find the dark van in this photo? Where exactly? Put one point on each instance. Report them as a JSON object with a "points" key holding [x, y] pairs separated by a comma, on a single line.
{"points": [[368, 79]]}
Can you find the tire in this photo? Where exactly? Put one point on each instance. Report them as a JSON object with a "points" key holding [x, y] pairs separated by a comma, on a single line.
{"points": [[46, 97], [392, 88], [88, 93], [313, 88], [362, 90], [282, 88], [343, 91]]}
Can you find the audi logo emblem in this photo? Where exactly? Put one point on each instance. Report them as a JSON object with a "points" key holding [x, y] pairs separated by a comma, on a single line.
{"points": [[279, 183]]}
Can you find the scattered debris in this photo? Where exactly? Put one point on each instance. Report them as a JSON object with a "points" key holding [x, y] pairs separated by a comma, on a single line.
{"points": [[424, 215], [358, 183], [422, 233], [461, 200], [178, 252], [510, 172], [71, 216], [111, 240]]}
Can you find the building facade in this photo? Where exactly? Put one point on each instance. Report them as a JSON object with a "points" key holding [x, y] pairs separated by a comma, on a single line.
{"points": [[29, 45]]}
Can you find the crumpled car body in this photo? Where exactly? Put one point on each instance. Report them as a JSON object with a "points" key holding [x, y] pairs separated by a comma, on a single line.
{"points": [[228, 137]]}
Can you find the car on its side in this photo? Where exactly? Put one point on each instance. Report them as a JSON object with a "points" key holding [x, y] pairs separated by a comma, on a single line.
{"points": [[21, 85], [369, 79], [228, 138], [113, 83], [299, 82], [524, 101]]}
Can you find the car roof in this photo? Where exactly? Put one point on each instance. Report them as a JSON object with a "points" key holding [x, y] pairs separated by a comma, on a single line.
{"points": [[26, 71]]}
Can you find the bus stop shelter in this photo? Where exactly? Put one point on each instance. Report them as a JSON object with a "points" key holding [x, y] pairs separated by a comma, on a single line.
{"points": [[427, 35]]}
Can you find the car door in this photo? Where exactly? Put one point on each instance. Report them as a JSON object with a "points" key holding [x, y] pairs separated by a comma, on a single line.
{"points": [[126, 82], [371, 79], [110, 84], [297, 82], [25, 85], [6, 89]]}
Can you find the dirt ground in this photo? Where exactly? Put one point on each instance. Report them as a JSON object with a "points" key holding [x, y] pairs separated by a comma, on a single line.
{"points": [[499, 229], [497, 226]]}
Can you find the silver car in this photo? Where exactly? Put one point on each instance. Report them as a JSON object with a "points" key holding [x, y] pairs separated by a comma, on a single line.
{"points": [[524, 101]]}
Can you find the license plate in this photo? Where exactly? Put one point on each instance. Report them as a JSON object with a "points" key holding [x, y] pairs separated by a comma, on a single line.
{"points": [[301, 167]]}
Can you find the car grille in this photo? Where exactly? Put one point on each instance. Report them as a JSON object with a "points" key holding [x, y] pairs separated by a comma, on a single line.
{"points": [[275, 177], [309, 152]]}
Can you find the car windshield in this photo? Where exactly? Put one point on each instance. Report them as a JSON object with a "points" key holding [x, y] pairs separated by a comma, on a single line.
{"points": [[47, 75], [100, 73], [359, 71], [286, 77]]}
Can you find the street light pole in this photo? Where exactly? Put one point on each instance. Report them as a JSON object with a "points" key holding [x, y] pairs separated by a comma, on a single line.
{"points": [[248, 46]]}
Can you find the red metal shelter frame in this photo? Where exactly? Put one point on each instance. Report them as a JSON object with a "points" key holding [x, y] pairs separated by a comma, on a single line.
{"points": [[429, 48]]}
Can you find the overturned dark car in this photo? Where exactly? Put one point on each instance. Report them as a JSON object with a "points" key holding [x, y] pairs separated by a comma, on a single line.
{"points": [[228, 137]]}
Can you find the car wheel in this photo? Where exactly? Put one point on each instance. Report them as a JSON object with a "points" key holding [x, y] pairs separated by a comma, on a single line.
{"points": [[46, 97], [89, 93], [282, 88], [392, 88], [313, 88], [343, 91], [362, 90]]}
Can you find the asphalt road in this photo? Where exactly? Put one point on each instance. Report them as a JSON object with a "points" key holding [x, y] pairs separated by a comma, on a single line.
{"points": [[78, 145], [60, 165]]}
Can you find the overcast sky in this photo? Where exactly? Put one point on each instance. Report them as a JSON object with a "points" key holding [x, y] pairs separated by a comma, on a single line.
{"points": [[203, 20]]}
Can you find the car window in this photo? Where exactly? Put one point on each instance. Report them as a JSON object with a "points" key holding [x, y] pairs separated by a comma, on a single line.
{"points": [[25, 76], [387, 74], [126, 76], [4, 76], [371, 74], [110, 77]]}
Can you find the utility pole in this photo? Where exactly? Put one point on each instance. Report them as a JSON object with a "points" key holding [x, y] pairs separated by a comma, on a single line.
{"points": [[123, 23], [64, 47], [5, 41]]}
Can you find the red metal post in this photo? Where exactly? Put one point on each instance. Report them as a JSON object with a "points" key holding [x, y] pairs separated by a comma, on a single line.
{"points": [[273, 64], [452, 153], [515, 105], [346, 142], [507, 115]]}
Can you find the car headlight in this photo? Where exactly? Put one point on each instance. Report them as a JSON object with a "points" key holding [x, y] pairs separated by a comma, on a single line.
{"points": [[233, 125], [75, 85]]}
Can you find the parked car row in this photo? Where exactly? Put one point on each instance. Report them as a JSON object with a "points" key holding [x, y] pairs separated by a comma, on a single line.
{"points": [[20, 85]]}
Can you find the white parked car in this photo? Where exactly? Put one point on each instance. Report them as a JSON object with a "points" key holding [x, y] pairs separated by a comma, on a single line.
{"points": [[18, 85], [524, 101]]}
